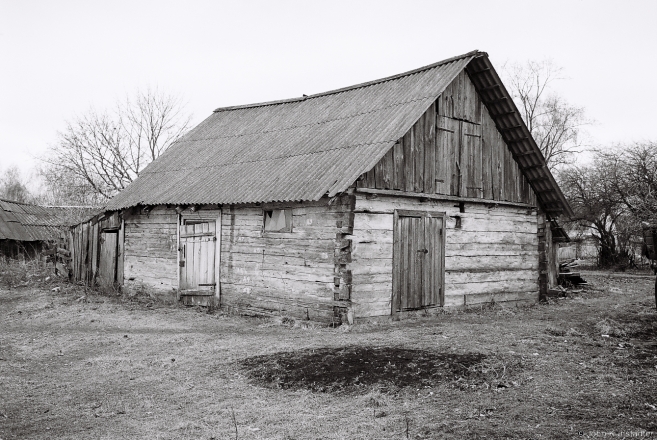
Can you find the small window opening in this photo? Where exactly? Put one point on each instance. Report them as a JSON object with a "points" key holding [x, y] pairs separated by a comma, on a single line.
{"points": [[278, 220], [458, 222], [461, 207], [194, 221]]}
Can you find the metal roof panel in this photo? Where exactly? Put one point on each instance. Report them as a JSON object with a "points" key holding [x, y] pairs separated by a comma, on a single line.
{"points": [[292, 150]]}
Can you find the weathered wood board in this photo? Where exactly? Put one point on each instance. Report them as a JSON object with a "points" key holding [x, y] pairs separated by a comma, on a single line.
{"points": [[300, 273], [150, 252], [495, 250], [453, 149]]}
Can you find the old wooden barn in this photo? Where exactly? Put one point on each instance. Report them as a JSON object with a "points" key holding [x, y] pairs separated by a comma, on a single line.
{"points": [[417, 191]]}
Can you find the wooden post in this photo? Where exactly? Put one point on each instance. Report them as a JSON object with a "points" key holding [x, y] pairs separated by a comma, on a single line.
{"points": [[653, 263], [178, 223], [542, 258], [121, 258], [217, 260]]}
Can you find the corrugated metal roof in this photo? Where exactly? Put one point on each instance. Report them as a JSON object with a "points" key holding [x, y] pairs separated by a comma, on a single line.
{"points": [[298, 149], [304, 148], [24, 222]]}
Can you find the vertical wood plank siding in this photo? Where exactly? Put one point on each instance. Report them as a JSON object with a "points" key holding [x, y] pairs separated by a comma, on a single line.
{"points": [[453, 149], [302, 273], [209, 215], [492, 256], [84, 245]]}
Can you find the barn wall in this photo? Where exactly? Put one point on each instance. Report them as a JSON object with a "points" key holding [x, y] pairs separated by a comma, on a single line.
{"points": [[84, 246], [299, 273], [150, 251], [493, 256], [453, 149]]}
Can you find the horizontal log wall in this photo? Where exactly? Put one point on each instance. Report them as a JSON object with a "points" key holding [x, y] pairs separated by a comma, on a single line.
{"points": [[299, 273], [150, 254], [492, 256], [453, 149]]}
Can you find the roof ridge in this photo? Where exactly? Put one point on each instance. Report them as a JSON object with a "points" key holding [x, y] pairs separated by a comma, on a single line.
{"points": [[17, 202], [473, 53], [46, 206], [70, 206]]}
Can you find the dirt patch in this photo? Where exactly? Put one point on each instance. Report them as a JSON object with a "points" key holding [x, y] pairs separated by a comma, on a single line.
{"points": [[353, 368]]}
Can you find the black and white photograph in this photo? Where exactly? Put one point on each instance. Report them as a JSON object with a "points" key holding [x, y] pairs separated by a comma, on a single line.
{"points": [[291, 220]]}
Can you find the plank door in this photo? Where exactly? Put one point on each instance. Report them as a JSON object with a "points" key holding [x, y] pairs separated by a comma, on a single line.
{"points": [[197, 258], [418, 260], [109, 250]]}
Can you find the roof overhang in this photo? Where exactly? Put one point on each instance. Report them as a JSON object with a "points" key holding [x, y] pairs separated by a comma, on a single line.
{"points": [[513, 129]]}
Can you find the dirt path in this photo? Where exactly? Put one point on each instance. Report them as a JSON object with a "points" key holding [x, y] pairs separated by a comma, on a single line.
{"points": [[87, 366]]}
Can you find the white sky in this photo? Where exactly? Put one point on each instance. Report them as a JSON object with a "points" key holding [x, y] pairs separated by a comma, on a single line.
{"points": [[59, 58]]}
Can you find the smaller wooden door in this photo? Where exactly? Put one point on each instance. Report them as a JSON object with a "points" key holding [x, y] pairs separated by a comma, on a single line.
{"points": [[197, 258], [109, 251], [418, 260]]}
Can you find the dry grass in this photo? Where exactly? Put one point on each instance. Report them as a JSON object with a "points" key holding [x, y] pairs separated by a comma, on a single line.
{"points": [[17, 273], [75, 364]]}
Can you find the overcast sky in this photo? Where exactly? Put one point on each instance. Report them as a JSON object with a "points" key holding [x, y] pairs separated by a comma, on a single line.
{"points": [[59, 58]]}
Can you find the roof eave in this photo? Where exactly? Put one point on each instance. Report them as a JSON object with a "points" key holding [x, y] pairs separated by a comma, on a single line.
{"points": [[513, 129]]}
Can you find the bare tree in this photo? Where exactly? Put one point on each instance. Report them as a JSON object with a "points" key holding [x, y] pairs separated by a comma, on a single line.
{"points": [[596, 208], [62, 187], [632, 176], [14, 187], [554, 123], [612, 197], [105, 151]]}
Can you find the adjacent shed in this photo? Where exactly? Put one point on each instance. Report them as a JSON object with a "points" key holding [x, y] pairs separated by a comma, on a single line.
{"points": [[25, 228], [418, 191]]}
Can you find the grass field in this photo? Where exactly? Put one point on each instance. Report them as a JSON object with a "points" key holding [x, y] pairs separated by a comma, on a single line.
{"points": [[76, 365]]}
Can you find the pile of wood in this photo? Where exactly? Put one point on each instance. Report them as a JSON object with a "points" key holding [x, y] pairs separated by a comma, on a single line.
{"points": [[567, 277]]}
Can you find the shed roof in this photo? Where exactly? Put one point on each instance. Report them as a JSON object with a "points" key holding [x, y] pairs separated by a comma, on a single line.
{"points": [[304, 148], [25, 222]]}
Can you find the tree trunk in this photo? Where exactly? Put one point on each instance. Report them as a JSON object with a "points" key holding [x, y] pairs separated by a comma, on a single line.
{"points": [[608, 255]]}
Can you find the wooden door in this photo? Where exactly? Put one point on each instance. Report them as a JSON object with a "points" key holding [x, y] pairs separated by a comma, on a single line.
{"points": [[197, 258], [418, 260], [109, 250]]}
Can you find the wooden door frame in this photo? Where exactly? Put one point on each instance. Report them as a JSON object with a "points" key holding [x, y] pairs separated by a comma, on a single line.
{"points": [[117, 253], [395, 253], [217, 258]]}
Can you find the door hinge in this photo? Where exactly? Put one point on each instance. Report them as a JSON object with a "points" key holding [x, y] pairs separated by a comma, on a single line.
{"points": [[181, 263]]}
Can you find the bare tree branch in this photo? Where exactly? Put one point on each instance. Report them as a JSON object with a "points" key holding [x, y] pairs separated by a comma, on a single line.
{"points": [[108, 150], [14, 187], [554, 124]]}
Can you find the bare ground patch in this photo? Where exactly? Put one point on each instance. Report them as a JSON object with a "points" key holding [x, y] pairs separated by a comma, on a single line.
{"points": [[354, 368]]}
